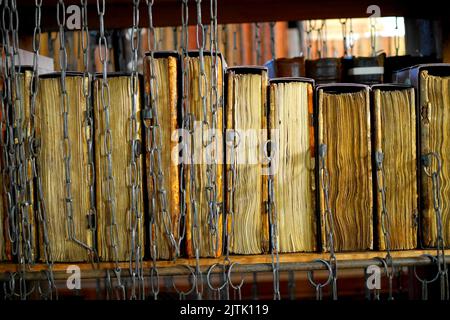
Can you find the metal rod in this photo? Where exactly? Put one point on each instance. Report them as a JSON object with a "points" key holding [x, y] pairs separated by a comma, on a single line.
{"points": [[179, 270]]}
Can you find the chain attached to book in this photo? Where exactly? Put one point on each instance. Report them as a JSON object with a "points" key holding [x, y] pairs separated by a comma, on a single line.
{"points": [[373, 36], [385, 221], [396, 37], [427, 162], [34, 151], [135, 215], [329, 220], [273, 221], [272, 40], [108, 146]]}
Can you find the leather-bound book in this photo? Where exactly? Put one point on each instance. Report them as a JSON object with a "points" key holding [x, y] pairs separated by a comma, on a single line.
{"points": [[343, 113], [246, 120], [432, 84], [396, 63], [324, 70], [167, 72], [286, 67], [293, 161], [366, 70], [208, 156], [395, 165], [114, 228], [50, 130]]}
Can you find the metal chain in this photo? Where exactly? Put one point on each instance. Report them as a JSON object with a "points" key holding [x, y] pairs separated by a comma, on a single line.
{"points": [[135, 215], [437, 204], [215, 104], [20, 181], [200, 37], [272, 40], [385, 221], [351, 38], [373, 36], [89, 129], [108, 146], [154, 145], [34, 150], [274, 237], [343, 23], [185, 116], [258, 43], [308, 39], [328, 216], [396, 37]]}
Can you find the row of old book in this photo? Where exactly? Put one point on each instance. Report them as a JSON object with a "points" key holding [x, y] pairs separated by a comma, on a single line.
{"points": [[270, 164], [367, 70]]}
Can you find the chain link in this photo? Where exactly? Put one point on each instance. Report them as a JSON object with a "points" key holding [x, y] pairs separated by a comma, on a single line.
{"points": [[328, 216], [437, 205], [211, 168], [153, 147], [343, 23], [396, 37], [34, 151], [351, 38], [385, 221], [272, 40], [373, 36], [274, 236], [258, 43], [108, 146], [135, 215]]}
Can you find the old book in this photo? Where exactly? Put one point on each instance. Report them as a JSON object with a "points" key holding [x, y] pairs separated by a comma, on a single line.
{"points": [[292, 132], [286, 67], [344, 127], [23, 219], [115, 228], [246, 115], [396, 63], [210, 230], [366, 70], [432, 83], [167, 68], [324, 70], [50, 132], [394, 126]]}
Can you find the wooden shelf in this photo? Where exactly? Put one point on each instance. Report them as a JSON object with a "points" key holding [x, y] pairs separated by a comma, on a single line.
{"points": [[168, 12], [245, 263]]}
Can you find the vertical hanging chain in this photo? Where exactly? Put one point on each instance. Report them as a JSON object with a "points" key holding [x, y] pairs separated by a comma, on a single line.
{"points": [[89, 128], [258, 43], [135, 215], [373, 35], [328, 216], [324, 39], [396, 37], [211, 169], [65, 109], [437, 205], [274, 236], [385, 221], [108, 145], [272, 40], [9, 163], [20, 181], [343, 23], [320, 39], [196, 237], [154, 145], [185, 114], [351, 38], [34, 151], [308, 39]]}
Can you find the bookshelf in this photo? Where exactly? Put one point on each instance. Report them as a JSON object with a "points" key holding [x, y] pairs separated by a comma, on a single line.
{"points": [[168, 12], [244, 264]]}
